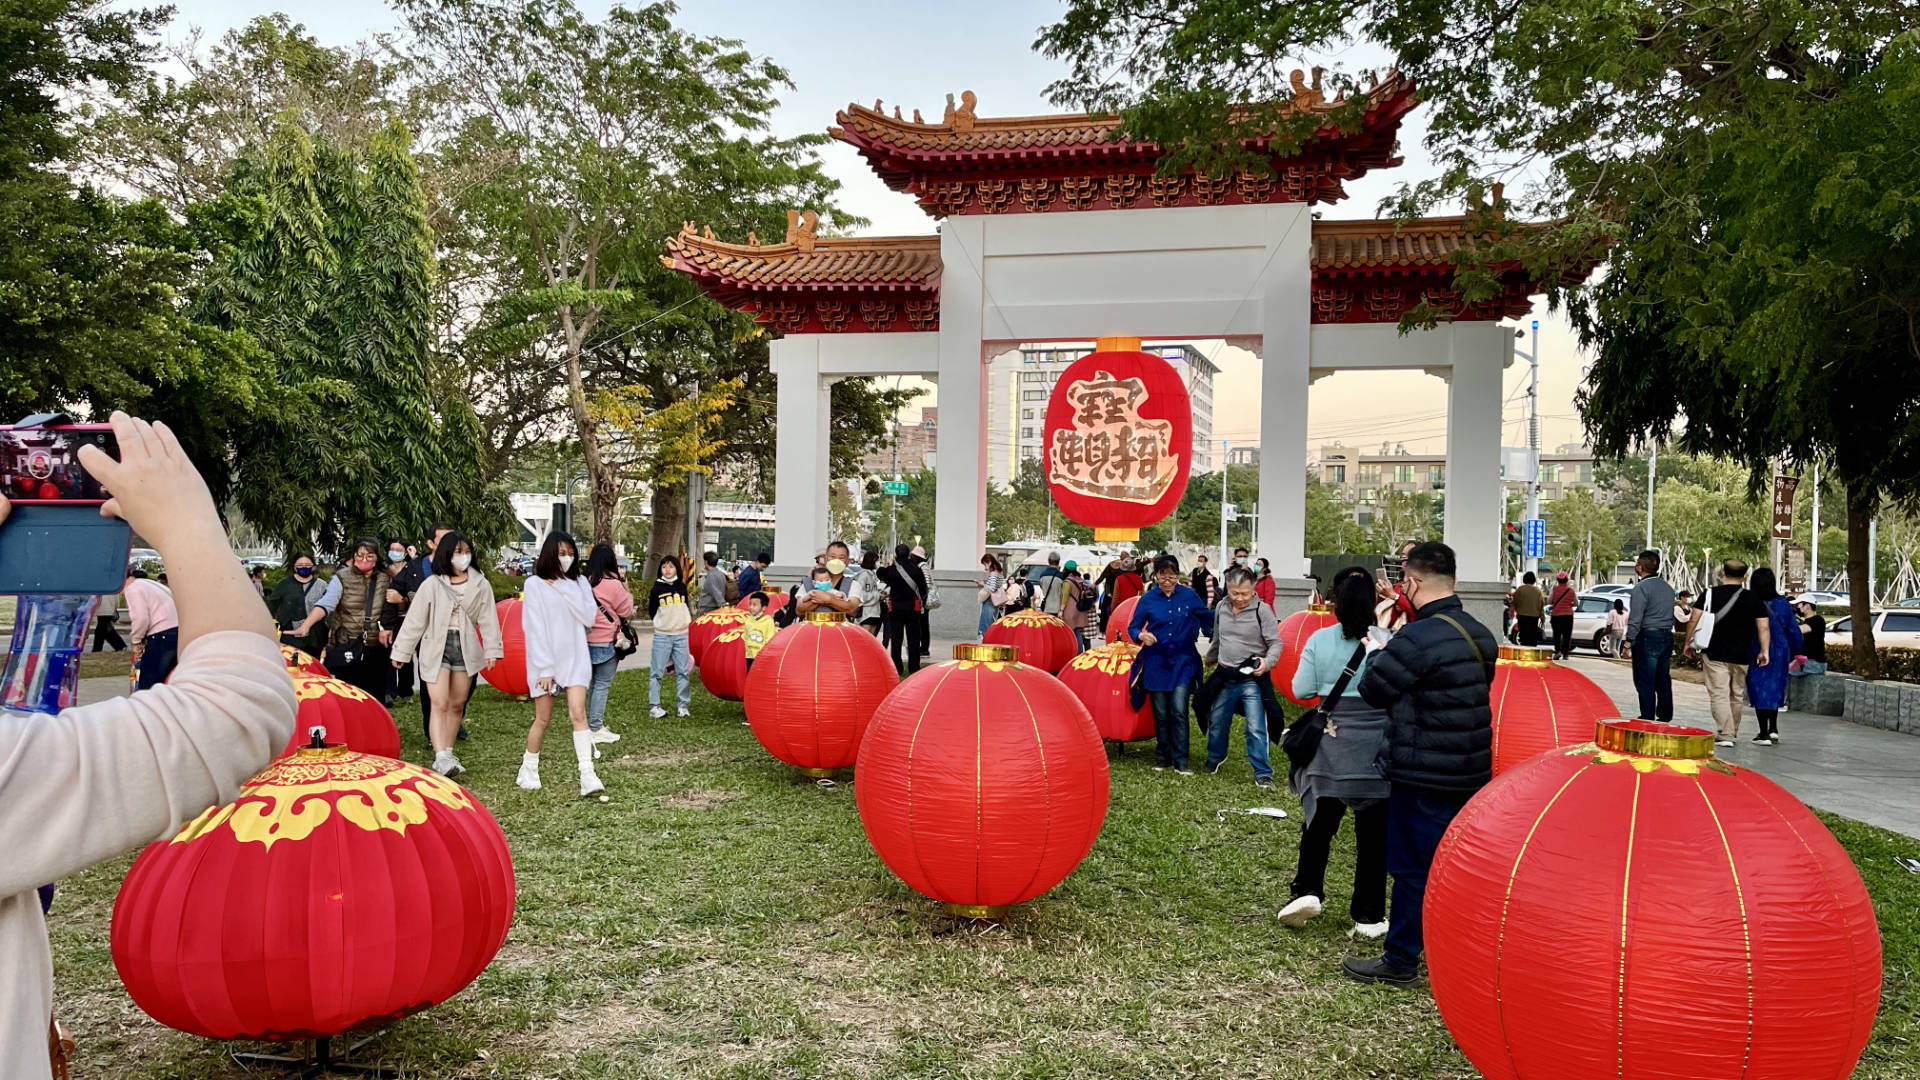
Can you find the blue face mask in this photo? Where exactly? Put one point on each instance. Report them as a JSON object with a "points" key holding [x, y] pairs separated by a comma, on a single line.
{"points": [[822, 586], [396, 556], [303, 571]]}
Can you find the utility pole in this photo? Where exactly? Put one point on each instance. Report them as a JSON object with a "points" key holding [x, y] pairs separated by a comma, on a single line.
{"points": [[1653, 455], [1814, 559], [893, 511], [1531, 563], [1225, 562]]}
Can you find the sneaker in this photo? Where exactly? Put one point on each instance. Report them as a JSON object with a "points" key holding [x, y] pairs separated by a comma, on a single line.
{"points": [[1160, 768], [1377, 970], [1214, 767], [1774, 738], [529, 778], [684, 713], [1263, 782], [1762, 739], [657, 713], [447, 765], [1184, 772], [1723, 742], [605, 735], [590, 785], [1372, 931], [1300, 909]]}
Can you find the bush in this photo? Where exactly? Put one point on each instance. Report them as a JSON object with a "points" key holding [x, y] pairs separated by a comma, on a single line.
{"points": [[1899, 664]]}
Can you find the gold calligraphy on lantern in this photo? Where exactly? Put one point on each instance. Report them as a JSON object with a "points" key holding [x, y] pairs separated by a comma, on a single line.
{"points": [[1111, 451]]}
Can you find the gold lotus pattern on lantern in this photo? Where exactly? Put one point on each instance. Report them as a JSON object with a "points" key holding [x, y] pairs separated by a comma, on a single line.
{"points": [[1112, 659], [728, 614], [309, 687], [1030, 617], [738, 633], [1644, 764], [291, 798]]}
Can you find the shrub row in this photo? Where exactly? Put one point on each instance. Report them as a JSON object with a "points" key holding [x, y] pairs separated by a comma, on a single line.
{"points": [[1899, 664]]}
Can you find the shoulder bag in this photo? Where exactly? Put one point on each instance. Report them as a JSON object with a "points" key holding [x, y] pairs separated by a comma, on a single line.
{"points": [[1302, 738], [628, 640], [1703, 634], [1478, 656]]}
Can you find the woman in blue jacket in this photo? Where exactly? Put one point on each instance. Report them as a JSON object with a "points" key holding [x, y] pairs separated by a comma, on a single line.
{"points": [[1767, 686]]}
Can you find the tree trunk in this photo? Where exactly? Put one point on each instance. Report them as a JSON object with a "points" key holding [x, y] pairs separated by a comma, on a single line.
{"points": [[668, 535], [1866, 659], [603, 481]]}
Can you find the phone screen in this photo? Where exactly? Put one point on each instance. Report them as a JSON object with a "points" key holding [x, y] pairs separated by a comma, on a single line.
{"points": [[42, 464]]}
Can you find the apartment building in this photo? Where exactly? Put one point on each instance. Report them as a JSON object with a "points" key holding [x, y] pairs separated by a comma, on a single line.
{"points": [[1365, 477]]}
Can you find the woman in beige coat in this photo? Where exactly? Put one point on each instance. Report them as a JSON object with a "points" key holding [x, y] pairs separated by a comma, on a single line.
{"points": [[450, 634]]}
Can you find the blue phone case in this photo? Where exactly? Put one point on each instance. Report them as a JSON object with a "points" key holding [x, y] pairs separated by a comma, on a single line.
{"points": [[49, 548]]}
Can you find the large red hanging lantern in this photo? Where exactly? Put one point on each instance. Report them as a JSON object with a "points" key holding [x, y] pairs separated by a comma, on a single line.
{"points": [[1098, 677], [814, 688], [1119, 439], [352, 717], [509, 673], [1043, 640], [1295, 629], [338, 891], [702, 631], [1538, 705], [724, 671], [1117, 621], [1635, 909], [300, 660], [982, 781]]}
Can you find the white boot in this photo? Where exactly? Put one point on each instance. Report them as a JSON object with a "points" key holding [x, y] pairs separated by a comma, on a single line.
{"points": [[529, 777], [583, 753], [1299, 910]]}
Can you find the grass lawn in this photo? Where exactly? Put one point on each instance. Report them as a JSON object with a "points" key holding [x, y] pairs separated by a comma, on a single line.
{"points": [[722, 917]]}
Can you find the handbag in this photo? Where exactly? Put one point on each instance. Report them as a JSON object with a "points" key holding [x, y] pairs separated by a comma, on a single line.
{"points": [[1302, 738], [628, 641], [1703, 633]]}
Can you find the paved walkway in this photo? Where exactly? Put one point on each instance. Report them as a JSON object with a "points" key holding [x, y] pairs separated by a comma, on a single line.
{"points": [[1857, 772]]}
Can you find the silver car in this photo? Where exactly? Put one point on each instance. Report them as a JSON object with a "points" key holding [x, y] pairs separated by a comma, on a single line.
{"points": [[1590, 621]]}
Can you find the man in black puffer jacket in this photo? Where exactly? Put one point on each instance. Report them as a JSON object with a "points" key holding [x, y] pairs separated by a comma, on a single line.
{"points": [[1433, 680]]}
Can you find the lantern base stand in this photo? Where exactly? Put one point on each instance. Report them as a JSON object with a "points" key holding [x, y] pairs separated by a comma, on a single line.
{"points": [[817, 774], [319, 1061], [996, 912]]}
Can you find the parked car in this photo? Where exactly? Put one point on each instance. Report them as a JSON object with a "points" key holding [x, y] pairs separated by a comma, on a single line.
{"points": [[1897, 628], [1611, 589], [142, 555], [1590, 620], [1909, 602], [1835, 599]]}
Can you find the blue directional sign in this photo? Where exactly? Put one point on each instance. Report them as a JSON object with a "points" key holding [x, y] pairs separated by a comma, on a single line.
{"points": [[1533, 538]]}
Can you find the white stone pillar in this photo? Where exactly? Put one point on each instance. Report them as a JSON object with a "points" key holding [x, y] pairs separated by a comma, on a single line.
{"points": [[1286, 306], [960, 503], [800, 450], [1476, 500]]}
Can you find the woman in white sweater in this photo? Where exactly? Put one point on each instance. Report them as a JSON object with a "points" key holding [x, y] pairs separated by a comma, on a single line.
{"points": [[557, 611], [101, 779], [451, 633]]}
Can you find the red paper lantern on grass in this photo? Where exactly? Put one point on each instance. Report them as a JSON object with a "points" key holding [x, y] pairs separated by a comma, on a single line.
{"points": [[1098, 677], [338, 891], [352, 717], [1634, 908], [982, 781], [1043, 640], [1119, 439], [724, 671], [814, 688], [1295, 629], [1118, 619], [702, 631], [509, 673], [300, 660], [1538, 705]]}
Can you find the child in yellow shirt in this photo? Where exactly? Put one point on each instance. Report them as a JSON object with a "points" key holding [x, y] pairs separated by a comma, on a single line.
{"points": [[759, 627]]}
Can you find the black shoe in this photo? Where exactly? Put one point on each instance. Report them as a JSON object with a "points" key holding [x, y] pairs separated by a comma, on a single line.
{"points": [[1762, 739], [1376, 970], [462, 736], [1263, 781]]}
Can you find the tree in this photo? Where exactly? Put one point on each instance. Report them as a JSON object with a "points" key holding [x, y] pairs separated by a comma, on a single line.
{"points": [[1331, 529], [1400, 516], [1583, 536], [1745, 162]]}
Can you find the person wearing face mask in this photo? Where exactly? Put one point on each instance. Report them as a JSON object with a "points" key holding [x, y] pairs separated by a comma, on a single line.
{"points": [[301, 603], [450, 633], [413, 574], [399, 681], [358, 639], [1263, 583], [559, 610], [1167, 621], [667, 608]]}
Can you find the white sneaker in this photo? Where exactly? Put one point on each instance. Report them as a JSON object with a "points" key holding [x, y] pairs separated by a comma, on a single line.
{"points": [[1373, 931], [657, 712], [1723, 742], [683, 713], [605, 735], [529, 777], [447, 765], [1299, 910]]}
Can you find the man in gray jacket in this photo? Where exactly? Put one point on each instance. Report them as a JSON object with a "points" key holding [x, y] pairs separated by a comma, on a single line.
{"points": [[713, 587], [1650, 634], [1246, 643]]}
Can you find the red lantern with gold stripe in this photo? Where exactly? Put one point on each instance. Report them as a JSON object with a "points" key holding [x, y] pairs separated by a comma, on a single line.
{"points": [[300, 660], [702, 631], [814, 688], [338, 891], [1538, 705], [724, 671], [1043, 640], [775, 601], [1634, 908], [983, 782], [350, 715], [509, 673], [1118, 619], [1295, 629], [1098, 677], [1118, 442]]}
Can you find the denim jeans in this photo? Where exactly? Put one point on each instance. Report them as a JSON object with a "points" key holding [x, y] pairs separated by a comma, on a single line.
{"points": [[1416, 820], [1653, 674], [670, 647], [1170, 748], [1246, 694], [603, 662], [988, 613]]}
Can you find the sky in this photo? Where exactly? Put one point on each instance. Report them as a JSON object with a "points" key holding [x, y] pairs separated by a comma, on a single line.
{"points": [[914, 53]]}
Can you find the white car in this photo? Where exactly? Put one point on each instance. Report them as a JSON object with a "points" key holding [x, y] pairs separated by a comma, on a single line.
{"points": [[1826, 599], [1900, 629], [1590, 620], [1611, 589]]}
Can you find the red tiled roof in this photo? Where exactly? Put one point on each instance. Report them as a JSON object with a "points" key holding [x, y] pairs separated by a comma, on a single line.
{"points": [[1378, 245], [832, 263]]}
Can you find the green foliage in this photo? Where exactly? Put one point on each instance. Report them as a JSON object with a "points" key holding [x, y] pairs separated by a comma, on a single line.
{"points": [[1898, 664], [1400, 516], [1581, 534], [1331, 529]]}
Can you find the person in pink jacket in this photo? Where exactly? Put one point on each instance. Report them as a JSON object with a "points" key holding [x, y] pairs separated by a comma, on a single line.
{"points": [[613, 605], [102, 779]]}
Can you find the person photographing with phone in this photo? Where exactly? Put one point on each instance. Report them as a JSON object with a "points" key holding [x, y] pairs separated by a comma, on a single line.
{"points": [[98, 780]]}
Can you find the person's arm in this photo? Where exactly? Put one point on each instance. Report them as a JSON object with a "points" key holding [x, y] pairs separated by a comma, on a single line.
{"points": [[576, 599], [1306, 678], [1270, 633], [1203, 615], [1137, 625], [1213, 649], [1390, 673], [139, 614], [412, 627], [491, 644], [622, 603], [1764, 625], [1636, 608], [537, 620], [653, 601]]}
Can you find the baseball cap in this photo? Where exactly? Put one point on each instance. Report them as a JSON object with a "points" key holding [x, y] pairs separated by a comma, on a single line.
{"points": [[1071, 565], [836, 566]]}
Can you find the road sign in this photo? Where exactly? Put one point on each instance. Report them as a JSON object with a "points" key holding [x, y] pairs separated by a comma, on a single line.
{"points": [[893, 487], [1783, 488], [1534, 534]]}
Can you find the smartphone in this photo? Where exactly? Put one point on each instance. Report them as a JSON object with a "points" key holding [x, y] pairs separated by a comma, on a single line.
{"points": [[42, 464]]}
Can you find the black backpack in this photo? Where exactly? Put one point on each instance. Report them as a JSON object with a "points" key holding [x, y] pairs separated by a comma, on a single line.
{"points": [[1085, 600]]}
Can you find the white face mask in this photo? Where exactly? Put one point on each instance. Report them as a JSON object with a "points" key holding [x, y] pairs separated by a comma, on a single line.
{"points": [[566, 563], [462, 561]]}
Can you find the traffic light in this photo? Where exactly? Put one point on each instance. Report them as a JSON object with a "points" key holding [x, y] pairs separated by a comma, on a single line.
{"points": [[1514, 545]]}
